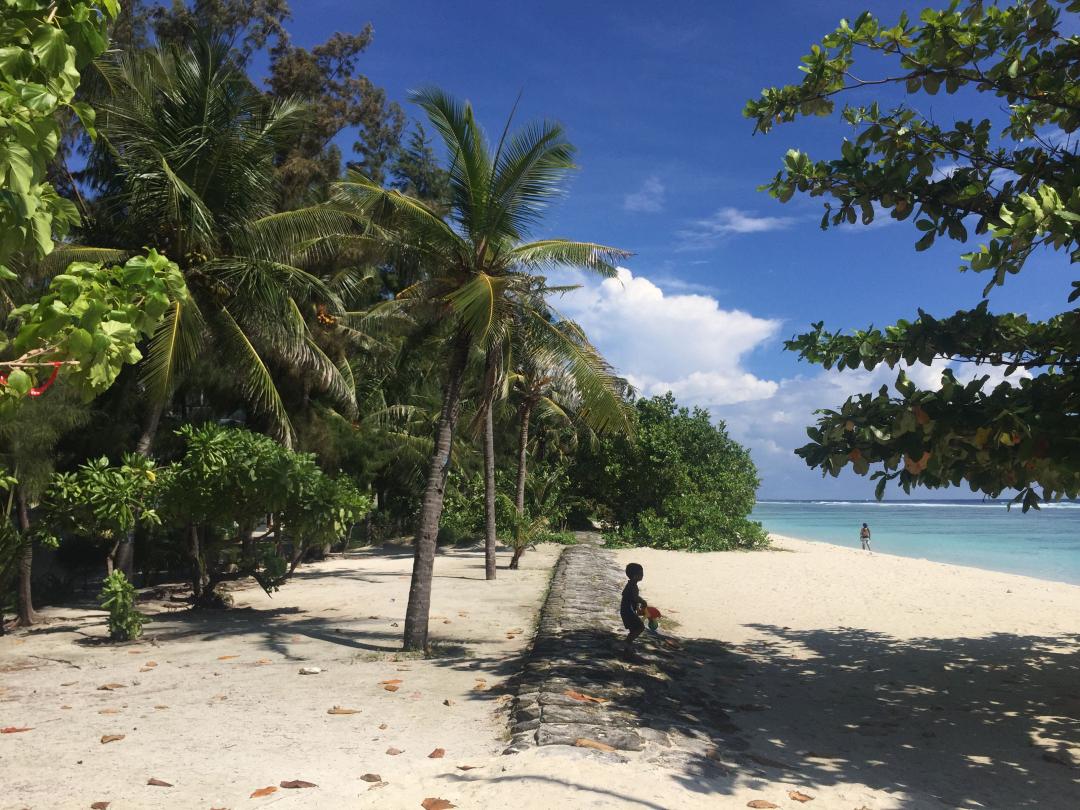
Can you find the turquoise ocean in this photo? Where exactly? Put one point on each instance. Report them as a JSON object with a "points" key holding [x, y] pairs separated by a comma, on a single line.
{"points": [[982, 534]]}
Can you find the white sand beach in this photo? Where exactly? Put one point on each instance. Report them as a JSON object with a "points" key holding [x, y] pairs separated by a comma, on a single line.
{"points": [[861, 681]]}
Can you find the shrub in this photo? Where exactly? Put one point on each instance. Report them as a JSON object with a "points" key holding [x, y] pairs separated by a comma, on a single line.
{"points": [[118, 596]]}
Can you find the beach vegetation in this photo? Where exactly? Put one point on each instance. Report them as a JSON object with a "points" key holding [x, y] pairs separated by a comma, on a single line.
{"points": [[1004, 185], [679, 482]]}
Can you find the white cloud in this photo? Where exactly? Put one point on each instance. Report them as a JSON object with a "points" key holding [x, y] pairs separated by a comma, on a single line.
{"points": [[685, 343], [648, 199], [705, 233]]}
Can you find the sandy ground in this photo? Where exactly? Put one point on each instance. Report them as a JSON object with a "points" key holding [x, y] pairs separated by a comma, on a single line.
{"points": [[879, 681], [863, 681]]}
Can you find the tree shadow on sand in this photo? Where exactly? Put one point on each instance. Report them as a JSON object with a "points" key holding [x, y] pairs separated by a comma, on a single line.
{"points": [[958, 722]]}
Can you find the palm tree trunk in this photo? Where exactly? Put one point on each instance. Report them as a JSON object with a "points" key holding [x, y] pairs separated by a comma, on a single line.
{"points": [[27, 614], [489, 492], [525, 414], [125, 552], [427, 529], [523, 446]]}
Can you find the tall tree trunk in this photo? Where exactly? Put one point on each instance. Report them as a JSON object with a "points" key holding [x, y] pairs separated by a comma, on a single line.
{"points": [[525, 414], [27, 614], [427, 528], [198, 570], [125, 553], [489, 491]]}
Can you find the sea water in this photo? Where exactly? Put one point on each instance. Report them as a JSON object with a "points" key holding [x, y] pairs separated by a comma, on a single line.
{"points": [[982, 534]]}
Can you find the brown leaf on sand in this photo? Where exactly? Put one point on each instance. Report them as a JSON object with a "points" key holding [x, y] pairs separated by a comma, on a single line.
{"points": [[99, 806], [15, 729], [158, 782], [383, 726], [585, 742], [150, 664], [761, 804], [161, 707], [266, 791], [390, 687], [438, 753], [467, 767], [371, 777], [262, 661], [436, 804], [342, 710], [109, 687], [795, 795], [108, 738], [298, 783], [391, 682], [393, 752], [227, 657], [570, 693], [108, 711], [69, 683]]}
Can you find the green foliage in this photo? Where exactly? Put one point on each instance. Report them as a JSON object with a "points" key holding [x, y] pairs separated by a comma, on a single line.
{"points": [[43, 46], [118, 596], [91, 320], [100, 501], [1012, 178], [682, 484], [229, 479]]}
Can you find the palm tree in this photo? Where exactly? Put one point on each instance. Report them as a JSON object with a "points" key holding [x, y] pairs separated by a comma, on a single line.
{"points": [[476, 258], [189, 167], [558, 373], [187, 164]]}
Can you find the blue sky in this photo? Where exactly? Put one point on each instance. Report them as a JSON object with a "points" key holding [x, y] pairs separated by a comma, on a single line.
{"points": [[652, 96]]}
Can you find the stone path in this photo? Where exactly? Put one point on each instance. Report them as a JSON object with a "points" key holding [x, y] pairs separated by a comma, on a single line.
{"points": [[663, 706]]}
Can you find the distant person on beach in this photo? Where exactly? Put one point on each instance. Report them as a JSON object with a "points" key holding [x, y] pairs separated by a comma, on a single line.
{"points": [[631, 605], [864, 537]]}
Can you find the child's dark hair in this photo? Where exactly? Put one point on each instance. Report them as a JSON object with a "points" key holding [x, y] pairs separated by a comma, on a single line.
{"points": [[634, 569]]}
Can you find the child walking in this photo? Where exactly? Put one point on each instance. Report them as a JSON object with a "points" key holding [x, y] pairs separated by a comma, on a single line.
{"points": [[631, 605]]}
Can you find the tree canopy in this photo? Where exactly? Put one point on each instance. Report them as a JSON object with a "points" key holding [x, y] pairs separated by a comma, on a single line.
{"points": [[1009, 180]]}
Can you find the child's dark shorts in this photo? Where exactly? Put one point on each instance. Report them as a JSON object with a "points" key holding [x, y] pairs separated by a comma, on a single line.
{"points": [[631, 621]]}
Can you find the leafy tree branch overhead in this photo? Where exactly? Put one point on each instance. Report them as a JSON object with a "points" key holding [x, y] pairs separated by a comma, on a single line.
{"points": [[1011, 180]]}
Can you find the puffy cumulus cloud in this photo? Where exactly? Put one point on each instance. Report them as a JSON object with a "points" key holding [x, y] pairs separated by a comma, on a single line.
{"points": [[648, 199], [685, 343], [705, 233]]}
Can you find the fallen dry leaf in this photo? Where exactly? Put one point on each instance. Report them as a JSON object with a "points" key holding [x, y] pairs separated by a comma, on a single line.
{"points": [[298, 783], [799, 797], [371, 777], [262, 661], [108, 687], [391, 687], [391, 682], [383, 726], [436, 804], [391, 751], [226, 657], [266, 791], [761, 804], [342, 710], [69, 683], [108, 711], [99, 806], [438, 753], [585, 742], [161, 707], [570, 693], [150, 664], [467, 767], [65, 707], [108, 738], [158, 782], [15, 729]]}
